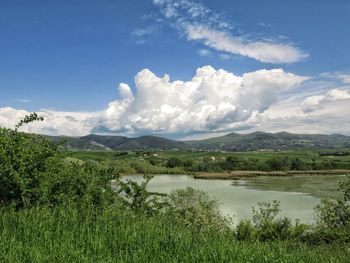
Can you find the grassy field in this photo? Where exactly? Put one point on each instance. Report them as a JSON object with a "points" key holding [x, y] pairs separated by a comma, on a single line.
{"points": [[69, 235]]}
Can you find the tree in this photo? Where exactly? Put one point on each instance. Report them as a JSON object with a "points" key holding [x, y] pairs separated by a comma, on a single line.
{"points": [[173, 162], [34, 171]]}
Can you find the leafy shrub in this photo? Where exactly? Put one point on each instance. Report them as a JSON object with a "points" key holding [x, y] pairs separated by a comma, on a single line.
{"points": [[298, 231], [269, 227], [196, 209], [245, 231], [135, 197], [173, 162], [333, 218], [279, 163], [298, 164], [33, 172], [188, 163]]}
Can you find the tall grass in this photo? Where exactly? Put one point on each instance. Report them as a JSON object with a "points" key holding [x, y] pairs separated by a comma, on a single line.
{"points": [[71, 235]]}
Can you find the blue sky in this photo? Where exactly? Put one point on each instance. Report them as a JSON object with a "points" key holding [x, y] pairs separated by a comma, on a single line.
{"points": [[60, 57]]}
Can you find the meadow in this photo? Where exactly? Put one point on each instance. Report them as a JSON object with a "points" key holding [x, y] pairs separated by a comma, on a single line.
{"points": [[70, 235]]}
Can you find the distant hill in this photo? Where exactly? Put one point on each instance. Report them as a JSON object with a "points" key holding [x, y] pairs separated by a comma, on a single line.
{"points": [[229, 142], [271, 141], [108, 142]]}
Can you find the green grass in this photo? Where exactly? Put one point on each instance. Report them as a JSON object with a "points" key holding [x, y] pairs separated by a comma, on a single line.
{"points": [[67, 235]]}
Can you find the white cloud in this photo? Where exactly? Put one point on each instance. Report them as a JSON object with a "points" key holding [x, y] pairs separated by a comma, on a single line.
{"points": [[56, 122], [199, 23], [323, 113], [332, 95], [211, 101], [263, 51]]}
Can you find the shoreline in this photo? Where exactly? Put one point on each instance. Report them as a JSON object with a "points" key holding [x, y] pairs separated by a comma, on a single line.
{"points": [[235, 175]]}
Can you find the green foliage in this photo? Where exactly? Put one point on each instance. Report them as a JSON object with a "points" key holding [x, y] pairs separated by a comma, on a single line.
{"points": [[333, 218], [184, 162], [266, 212], [188, 164], [64, 234], [245, 231], [282, 163], [335, 214], [173, 162], [298, 164], [344, 187], [24, 161], [33, 172], [195, 208], [135, 197], [28, 119], [267, 226]]}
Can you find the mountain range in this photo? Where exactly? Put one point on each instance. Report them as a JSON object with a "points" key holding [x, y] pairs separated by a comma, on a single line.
{"points": [[229, 142]]}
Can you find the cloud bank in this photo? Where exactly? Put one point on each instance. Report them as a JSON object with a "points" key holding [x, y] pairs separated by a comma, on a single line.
{"points": [[199, 23], [213, 101]]}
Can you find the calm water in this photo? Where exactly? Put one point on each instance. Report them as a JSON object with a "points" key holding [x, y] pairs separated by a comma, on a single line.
{"points": [[237, 199]]}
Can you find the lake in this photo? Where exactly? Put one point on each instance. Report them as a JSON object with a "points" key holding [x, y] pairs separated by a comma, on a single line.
{"points": [[298, 195]]}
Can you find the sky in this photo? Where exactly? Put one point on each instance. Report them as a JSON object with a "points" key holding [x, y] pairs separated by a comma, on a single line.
{"points": [[182, 69]]}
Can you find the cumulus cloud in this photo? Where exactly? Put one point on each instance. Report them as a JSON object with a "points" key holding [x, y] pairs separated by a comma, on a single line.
{"points": [[199, 23], [212, 101], [322, 113], [332, 95], [56, 122]]}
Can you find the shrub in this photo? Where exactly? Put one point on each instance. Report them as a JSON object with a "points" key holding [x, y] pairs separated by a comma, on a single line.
{"points": [[173, 162], [135, 197], [245, 231], [267, 226], [279, 163], [196, 209], [333, 218], [33, 172], [188, 163]]}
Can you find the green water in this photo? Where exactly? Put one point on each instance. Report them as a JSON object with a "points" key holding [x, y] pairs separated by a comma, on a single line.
{"points": [[315, 185], [237, 198]]}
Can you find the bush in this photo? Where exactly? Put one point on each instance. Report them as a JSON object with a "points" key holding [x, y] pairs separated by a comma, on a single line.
{"points": [[173, 162], [333, 218], [188, 164], [33, 172], [245, 231], [135, 197], [269, 227], [195, 208], [279, 163]]}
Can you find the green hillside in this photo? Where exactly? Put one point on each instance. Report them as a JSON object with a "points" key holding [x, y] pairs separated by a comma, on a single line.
{"points": [[230, 142]]}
